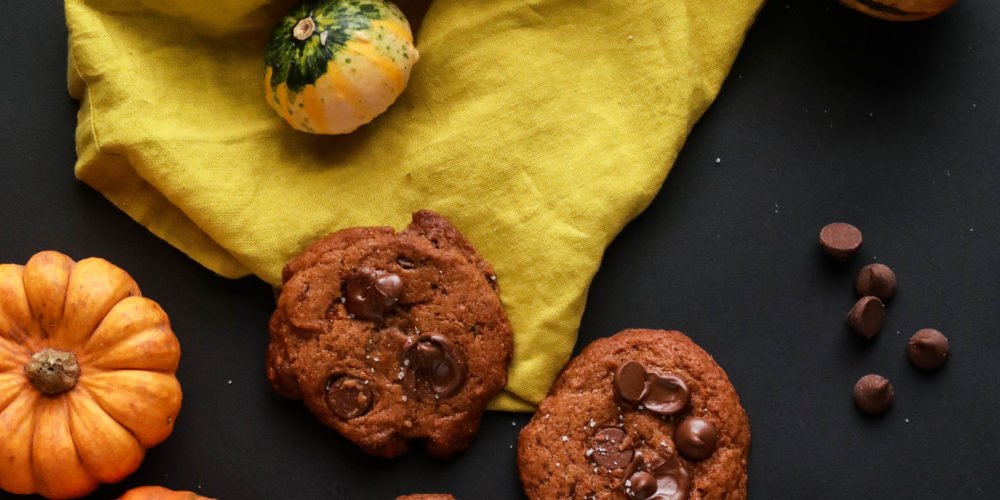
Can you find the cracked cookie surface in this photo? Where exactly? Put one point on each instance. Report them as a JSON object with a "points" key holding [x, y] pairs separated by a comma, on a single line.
{"points": [[389, 337]]}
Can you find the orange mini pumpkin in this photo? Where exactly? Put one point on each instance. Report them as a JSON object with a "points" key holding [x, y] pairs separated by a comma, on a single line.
{"points": [[159, 493], [900, 10], [86, 375]]}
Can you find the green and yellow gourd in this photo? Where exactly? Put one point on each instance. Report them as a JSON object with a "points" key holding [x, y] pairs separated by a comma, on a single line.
{"points": [[900, 10], [332, 66]]}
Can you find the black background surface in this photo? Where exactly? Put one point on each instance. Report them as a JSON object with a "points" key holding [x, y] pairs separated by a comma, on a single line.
{"points": [[827, 115]]}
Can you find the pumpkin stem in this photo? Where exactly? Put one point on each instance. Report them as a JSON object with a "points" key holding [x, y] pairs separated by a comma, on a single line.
{"points": [[304, 28], [53, 371]]}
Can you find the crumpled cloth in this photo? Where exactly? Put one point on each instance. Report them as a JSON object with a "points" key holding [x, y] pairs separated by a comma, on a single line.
{"points": [[538, 127]]}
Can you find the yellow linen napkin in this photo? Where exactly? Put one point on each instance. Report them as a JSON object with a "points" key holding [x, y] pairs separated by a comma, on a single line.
{"points": [[538, 127]]}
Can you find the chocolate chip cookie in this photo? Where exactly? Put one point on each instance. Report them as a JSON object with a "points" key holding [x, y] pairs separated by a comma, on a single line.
{"points": [[644, 414], [389, 336]]}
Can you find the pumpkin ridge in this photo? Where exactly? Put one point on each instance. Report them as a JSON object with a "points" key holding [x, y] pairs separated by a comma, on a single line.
{"points": [[15, 311], [53, 270], [106, 393], [74, 403], [6, 398], [888, 9], [95, 287], [18, 353], [54, 414], [135, 322], [27, 427], [83, 390]]}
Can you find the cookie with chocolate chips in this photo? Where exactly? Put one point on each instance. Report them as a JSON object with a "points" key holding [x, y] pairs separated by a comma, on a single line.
{"points": [[644, 414], [389, 336]]}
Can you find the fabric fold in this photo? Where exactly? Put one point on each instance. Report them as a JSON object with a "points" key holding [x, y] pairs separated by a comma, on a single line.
{"points": [[539, 128]]}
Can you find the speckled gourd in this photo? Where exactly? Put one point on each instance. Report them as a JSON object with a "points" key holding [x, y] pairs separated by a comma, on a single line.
{"points": [[332, 66]]}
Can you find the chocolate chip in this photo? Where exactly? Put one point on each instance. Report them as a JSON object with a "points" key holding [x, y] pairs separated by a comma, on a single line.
{"points": [[634, 386], [608, 448], [641, 485], [405, 263], [673, 482], [877, 280], [371, 294], [696, 438], [665, 395], [664, 480], [348, 397], [630, 382], [866, 317], [873, 394], [430, 361], [840, 240], [928, 349]]}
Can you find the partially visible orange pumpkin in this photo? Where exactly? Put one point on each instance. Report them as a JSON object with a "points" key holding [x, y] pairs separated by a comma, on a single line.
{"points": [[900, 10], [159, 493], [86, 375]]}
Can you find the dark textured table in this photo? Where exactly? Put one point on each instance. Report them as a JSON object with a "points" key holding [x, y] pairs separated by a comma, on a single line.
{"points": [[827, 116]]}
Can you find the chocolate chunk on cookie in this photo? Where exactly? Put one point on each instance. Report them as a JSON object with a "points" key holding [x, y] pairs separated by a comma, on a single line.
{"points": [[644, 414], [389, 336]]}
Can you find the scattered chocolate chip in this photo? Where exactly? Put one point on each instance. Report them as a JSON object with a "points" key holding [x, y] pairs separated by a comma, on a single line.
{"points": [[928, 349], [867, 316], [431, 359], [696, 438], [348, 397], [840, 240], [630, 382], [405, 263], [608, 448], [873, 394], [665, 395], [877, 280], [371, 294]]}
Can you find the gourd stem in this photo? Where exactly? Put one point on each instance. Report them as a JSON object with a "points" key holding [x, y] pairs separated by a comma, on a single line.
{"points": [[52, 371], [304, 28]]}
